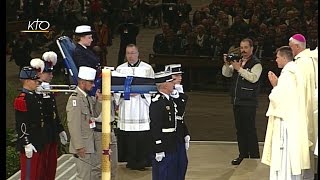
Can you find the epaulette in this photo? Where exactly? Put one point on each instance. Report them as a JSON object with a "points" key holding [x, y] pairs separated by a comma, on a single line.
{"points": [[20, 103], [156, 98]]}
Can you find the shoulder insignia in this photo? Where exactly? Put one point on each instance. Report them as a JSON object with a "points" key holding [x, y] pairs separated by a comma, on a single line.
{"points": [[74, 94], [156, 98], [20, 103], [74, 103]]}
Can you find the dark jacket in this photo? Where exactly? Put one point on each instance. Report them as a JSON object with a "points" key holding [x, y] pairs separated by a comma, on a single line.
{"points": [[85, 57], [243, 92], [30, 124], [51, 118], [182, 129], [162, 119]]}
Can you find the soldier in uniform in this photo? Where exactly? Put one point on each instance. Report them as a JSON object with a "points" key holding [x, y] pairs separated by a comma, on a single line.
{"points": [[54, 128], [30, 125], [180, 99], [163, 125], [82, 109], [83, 56]]}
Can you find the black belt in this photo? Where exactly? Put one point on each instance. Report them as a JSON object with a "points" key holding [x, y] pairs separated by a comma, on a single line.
{"points": [[98, 127]]}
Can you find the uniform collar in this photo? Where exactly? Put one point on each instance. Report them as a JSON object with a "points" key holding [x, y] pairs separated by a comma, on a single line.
{"points": [[82, 91], [83, 46], [165, 95], [26, 91]]}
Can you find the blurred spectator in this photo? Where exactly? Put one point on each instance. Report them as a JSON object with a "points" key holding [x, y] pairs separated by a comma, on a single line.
{"points": [[96, 9], [134, 7], [272, 20], [197, 18], [12, 7], [288, 7], [151, 12], [215, 7], [169, 12], [183, 10], [182, 34], [308, 6], [240, 26], [248, 12], [213, 36], [312, 40], [72, 13], [128, 32], [191, 48], [21, 51], [167, 43], [253, 27], [258, 47], [202, 40], [104, 40]]}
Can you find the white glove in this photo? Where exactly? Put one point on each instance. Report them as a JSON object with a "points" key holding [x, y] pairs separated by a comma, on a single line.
{"points": [[187, 140], [160, 156], [45, 85], [63, 138], [174, 94], [29, 150], [39, 89], [179, 88]]}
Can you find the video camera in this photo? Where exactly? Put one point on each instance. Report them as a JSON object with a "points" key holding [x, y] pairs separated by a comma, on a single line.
{"points": [[233, 57]]}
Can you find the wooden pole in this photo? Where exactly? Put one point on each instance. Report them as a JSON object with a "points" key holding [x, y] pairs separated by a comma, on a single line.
{"points": [[106, 129]]}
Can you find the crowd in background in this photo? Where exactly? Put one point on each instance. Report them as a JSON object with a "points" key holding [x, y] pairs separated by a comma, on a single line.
{"points": [[217, 26], [211, 30]]}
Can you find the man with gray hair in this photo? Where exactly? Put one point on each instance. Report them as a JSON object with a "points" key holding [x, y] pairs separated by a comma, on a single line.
{"points": [[308, 67], [163, 126]]}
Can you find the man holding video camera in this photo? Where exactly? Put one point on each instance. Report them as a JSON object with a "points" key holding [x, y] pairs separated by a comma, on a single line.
{"points": [[245, 71]]}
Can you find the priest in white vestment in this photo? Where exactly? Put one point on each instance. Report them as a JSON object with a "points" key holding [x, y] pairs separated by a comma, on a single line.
{"points": [[286, 148]]}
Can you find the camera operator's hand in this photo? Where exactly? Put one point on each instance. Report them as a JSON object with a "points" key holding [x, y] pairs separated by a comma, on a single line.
{"points": [[236, 64], [227, 63]]}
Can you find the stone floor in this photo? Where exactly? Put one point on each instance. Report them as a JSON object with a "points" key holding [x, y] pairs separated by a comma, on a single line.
{"points": [[207, 161]]}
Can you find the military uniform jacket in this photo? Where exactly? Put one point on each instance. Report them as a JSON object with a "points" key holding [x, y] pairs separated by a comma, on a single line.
{"points": [[29, 120], [182, 129], [85, 57], [51, 117], [80, 109], [163, 124]]}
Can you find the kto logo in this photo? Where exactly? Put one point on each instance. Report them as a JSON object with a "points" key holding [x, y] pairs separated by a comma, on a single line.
{"points": [[38, 26]]}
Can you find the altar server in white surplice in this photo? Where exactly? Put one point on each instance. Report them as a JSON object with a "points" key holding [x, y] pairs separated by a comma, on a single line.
{"points": [[134, 140]]}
